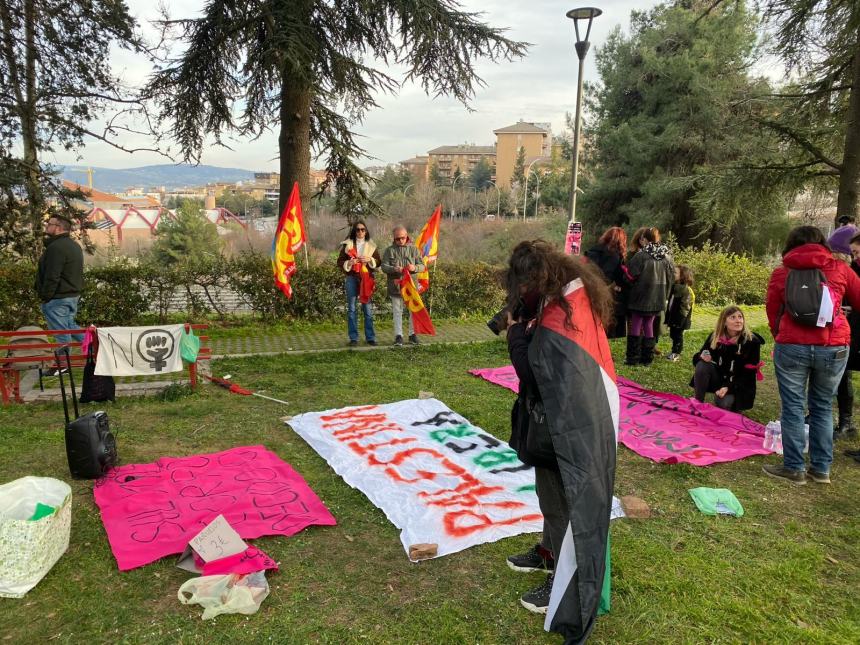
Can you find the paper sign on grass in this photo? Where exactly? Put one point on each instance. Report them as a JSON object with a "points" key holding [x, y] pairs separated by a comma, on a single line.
{"points": [[437, 477], [218, 540], [670, 428]]}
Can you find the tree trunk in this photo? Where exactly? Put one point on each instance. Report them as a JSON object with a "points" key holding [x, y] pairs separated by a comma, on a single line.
{"points": [[294, 139], [848, 201]]}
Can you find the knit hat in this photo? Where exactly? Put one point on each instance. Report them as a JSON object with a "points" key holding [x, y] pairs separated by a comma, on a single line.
{"points": [[840, 238]]}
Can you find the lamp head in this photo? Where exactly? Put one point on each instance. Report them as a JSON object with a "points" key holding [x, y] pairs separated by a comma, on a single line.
{"points": [[583, 13]]}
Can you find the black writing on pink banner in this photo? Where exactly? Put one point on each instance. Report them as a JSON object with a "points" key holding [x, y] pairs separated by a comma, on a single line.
{"points": [[153, 510]]}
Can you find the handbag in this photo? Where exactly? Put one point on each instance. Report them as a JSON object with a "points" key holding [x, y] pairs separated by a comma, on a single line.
{"points": [[96, 387]]}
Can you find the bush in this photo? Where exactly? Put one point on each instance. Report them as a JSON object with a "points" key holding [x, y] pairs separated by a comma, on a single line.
{"points": [[723, 278], [113, 294], [19, 303], [123, 294]]}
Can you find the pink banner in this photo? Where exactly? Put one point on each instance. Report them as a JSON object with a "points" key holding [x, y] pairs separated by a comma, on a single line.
{"points": [[669, 428], [153, 510]]}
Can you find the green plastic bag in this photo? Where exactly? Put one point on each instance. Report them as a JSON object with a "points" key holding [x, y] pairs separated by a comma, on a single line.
{"points": [[189, 346]]}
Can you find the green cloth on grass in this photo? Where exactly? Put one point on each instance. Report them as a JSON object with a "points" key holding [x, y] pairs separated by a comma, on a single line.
{"points": [[712, 501]]}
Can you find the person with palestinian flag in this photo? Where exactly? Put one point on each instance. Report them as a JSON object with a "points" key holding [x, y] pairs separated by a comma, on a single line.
{"points": [[403, 259], [565, 423], [359, 258]]}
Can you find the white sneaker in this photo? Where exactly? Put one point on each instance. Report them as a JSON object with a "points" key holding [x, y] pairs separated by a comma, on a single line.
{"points": [[673, 357]]}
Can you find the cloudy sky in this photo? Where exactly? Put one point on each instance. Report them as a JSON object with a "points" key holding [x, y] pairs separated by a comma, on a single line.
{"points": [[540, 88]]}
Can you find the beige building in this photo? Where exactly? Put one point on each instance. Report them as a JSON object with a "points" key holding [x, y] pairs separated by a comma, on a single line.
{"points": [[419, 167], [447, 159], [536, 139]]}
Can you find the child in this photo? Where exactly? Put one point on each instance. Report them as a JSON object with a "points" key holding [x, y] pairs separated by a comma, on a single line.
{"points": [[679, 311]]}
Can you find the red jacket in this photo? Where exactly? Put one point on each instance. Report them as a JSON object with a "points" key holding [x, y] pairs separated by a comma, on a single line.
{"points": [[843, 284]]}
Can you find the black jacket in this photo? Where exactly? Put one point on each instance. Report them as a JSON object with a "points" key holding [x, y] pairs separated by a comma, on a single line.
{"points": [[679, 311], [653, 273], [738, 366], [614, 270], [854, 323], [61, 269]]}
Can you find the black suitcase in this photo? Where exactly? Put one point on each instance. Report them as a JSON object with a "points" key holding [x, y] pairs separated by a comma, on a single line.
{"points": [[90, 445]]}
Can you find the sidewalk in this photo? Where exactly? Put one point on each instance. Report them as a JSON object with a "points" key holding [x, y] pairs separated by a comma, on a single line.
{"points": [[449, 332]]}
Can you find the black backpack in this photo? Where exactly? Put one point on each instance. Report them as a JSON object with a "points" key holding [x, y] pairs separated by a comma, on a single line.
{"points": [[804, 291]]}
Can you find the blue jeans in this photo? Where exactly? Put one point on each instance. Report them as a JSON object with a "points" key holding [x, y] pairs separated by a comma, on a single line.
{"points": [[352, 286], [808, 375], [60, 314]]}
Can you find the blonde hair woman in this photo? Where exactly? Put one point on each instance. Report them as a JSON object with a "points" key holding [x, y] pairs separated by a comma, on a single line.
{"points": [[729, 363]]}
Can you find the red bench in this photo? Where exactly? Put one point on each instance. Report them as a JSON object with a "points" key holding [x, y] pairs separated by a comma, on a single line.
{"points": [[11, 366]]}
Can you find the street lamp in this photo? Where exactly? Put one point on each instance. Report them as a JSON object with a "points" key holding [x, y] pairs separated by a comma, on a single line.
{"points": [[537, 191], [526, 190], [498, 198], [581, 46]]}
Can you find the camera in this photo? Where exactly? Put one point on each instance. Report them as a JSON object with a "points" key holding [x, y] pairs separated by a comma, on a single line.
{"points": [[500, 319]]}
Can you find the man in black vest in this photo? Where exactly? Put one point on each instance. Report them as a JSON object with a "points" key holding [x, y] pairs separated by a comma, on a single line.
{"points": [[60, 277]]}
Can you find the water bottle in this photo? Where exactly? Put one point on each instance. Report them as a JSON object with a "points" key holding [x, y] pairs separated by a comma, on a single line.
{"points": [[777, 437], [767, 444]]}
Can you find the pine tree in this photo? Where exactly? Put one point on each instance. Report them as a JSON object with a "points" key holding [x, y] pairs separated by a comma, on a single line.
{"points": [[301, 65]]}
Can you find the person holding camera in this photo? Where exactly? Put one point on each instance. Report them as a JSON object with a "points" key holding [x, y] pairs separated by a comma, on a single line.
{"points": [[358, 258], [729, 362], [401, 255], [564, 422]]}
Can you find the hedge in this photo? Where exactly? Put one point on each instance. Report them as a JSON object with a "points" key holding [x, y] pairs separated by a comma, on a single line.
{"points": [[123, 293]]}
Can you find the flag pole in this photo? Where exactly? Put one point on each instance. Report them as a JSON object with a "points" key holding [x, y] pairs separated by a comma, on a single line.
{"points": [[432, 282], [305, 245]]}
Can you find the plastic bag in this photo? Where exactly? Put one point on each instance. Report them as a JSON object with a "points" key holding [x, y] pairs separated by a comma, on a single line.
{"points": [[229, 594], [189, 346], [773, 437], [30, 547]]}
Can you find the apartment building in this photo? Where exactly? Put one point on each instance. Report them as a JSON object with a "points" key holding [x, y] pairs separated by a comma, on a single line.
{"points": [[448, 159], [534, 138], [419, 166]]}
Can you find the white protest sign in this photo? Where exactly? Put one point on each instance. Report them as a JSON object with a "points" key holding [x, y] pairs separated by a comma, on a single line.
{"points": [[217, 540], [139, 351], [443, 481]]}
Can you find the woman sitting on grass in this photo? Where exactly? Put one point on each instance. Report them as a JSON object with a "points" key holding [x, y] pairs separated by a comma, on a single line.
{"points": [[729, 362]]}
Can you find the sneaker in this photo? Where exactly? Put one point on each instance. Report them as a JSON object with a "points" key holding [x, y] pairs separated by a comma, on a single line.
{"points": [[673, 357], [372, 342], [796, 477], [531, 560], [398, 340], [537, 600], [56, 372], [413, 339], [817, 477], [353, 343]]}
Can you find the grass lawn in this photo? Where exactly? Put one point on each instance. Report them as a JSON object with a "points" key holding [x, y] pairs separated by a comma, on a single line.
{"points": [[786, 572]]}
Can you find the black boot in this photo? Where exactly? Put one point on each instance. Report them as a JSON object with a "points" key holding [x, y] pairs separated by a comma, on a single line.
{"points": [[648, 345], [634, 348], [845, 428]]}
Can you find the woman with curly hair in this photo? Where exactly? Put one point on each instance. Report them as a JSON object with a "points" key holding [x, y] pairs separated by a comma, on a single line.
{"points": [[565, 422]]}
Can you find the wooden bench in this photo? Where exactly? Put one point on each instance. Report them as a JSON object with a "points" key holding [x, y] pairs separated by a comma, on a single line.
{"points": [[12, 366]]}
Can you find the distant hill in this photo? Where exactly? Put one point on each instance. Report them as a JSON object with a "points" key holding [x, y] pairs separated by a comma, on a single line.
{"points": [[115, 180]]}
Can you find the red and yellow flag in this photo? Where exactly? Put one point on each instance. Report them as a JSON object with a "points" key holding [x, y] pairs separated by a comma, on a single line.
{"points": [[366, 283], [428, 244], [289, 238], [420, 318]]}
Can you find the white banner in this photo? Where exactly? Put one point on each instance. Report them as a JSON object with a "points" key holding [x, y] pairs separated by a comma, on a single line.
{"points": [[139, 351], [437, 477]]}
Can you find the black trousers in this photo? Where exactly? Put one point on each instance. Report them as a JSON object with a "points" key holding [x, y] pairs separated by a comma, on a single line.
{"points": [[707, 379], [677, 336]]}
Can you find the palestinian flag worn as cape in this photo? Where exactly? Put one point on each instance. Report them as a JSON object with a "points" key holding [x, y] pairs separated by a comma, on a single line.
{"points": [[573, 367]]}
